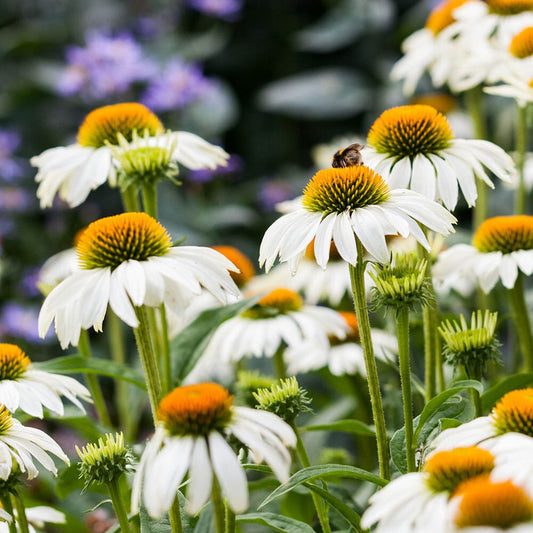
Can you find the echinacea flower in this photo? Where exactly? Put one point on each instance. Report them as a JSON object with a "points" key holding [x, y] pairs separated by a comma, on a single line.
{"points": [[73, 171], [418, 502], [482, 505], [279, 318], [20, 445], [342, 204], [502, 247], [512, 414], [413, 147], [127, 261], [342, 355], [194, 423], [24, 387]]}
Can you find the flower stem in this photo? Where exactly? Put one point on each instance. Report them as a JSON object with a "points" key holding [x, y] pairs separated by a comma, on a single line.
{"points": [[130, 200], [84, 348], [521, 145], [280, 370], [402, 328], [5, 498], [230, 520], [165, 349], [148, 360], [149, 194], [118, 505], [521, 319], [357, 273], [304, 459], [218, 507], [174, 515], [22, 519]]}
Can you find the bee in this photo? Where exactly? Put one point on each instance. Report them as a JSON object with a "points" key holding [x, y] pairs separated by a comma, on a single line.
{"points": [[348, 157]]}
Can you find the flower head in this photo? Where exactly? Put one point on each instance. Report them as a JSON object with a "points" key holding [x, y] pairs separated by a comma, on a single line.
{"points": [[195, 422], [24, 387], [128, 261], [73, 171], [501, 248], [413, 147], [241, 261], [340, 204]]}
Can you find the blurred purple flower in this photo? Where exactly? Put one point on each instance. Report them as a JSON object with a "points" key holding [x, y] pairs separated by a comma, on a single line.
{"points": [[273, 192], [206, 175], [10, 167], [224, 9], [28, 283], [20, 321], [178, 85], [104, 67], [15, 199]]}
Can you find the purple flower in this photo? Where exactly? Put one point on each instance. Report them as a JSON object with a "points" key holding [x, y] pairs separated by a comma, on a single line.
{"points": [[28, 283], [14, 199], [177, 86], [206, 175], [105, 66], [20, 321], [273, 192], [10, 167], [224, 9]]}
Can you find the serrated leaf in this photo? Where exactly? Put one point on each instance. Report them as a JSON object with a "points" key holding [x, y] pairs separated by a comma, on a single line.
{"points": [[344, 510], [77, 364], [189, 345], [507, 384], [323, 471], [347, 426], [277, 522]]}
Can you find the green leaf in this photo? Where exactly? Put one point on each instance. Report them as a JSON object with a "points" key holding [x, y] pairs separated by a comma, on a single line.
{"points": [[344, 510], [507, 384], [346, 426], [321, 471], [150, 525], [433, 405], [76, 364], [277, 522], [189, 345]]}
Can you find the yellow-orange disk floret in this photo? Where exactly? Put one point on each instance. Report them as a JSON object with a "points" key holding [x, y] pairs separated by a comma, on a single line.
{"points": [[13, 361], [351, 319], [195, 409], [444, 103], [514, 412], [333, 252], [505, 234], [277, 302], [509, 7], [110, 241], [245, 266], [105, 123], [522, 43], [442, 15], [335, 190], [410, 130], [450, 468], [488, 503], [6, 420]]}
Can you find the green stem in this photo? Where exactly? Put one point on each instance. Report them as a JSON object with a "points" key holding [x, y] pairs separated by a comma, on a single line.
{"points": [[357, 273], [5, 498], [174, 515], [230, 520], [402, 328], [474, 102], [304, 459], [165, 351], [130, 200], [148, 360], [280, 370], [521, 319], [218, 507], [22, 519], [149, 194], [84, 347], [118, 354], [476, 400], [118, 505], [365, 445], [521, 147]]}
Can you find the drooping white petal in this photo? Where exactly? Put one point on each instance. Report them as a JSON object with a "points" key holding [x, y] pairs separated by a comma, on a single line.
{"points": [[201, 477], [423, 179], [344, 238]]}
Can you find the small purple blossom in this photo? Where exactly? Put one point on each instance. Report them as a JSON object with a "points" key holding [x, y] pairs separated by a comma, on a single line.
{"points": [[10, 166], [273, 192], [205, 175], [15, 199], [224, 9], [177, 86], [20, 321], [105, 66], [28, 284]]}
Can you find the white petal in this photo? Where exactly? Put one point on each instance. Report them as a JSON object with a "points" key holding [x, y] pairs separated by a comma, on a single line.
{"points": [[201, 476], [423, 179], [344, 238]]}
